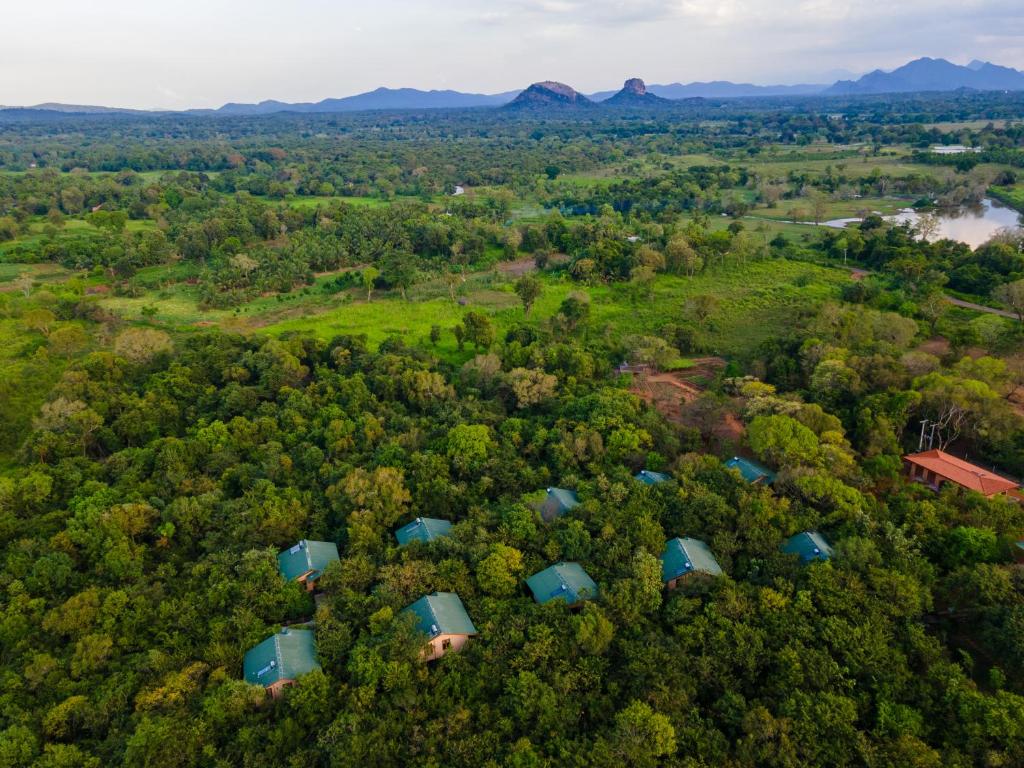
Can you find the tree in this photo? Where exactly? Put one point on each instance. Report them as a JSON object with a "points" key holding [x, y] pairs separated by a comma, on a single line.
{"points": [[575, 310], [642, 737], [68, 340], [529, 289], [469, 446], [1012, 295], [39, 319], [399, 270], [702, 306], [479, 331], [498, 573], [140, 345], [531, 386], [369, 277], [933, 307]]}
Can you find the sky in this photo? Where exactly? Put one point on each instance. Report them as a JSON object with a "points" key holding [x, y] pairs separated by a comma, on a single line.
{"points": [[203, 53]]}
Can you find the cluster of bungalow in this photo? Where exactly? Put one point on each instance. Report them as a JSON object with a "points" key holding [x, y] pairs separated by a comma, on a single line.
{"points": [[441, 617]]}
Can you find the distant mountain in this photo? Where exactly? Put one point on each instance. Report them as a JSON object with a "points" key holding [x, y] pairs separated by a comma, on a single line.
{"points": [[634, 94], [80, 109], [381, 98], [720, 89], [549, 94], [933, 75]]}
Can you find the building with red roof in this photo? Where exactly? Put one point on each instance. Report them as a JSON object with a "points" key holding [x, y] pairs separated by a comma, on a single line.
{"points": [[933, 468]]}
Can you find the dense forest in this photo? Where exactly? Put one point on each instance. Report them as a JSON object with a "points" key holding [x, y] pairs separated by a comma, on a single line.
{"points": [[157, 452]]}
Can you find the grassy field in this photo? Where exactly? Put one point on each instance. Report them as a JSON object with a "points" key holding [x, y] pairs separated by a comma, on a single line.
{"points": [[1012, 196], [755, 301]]}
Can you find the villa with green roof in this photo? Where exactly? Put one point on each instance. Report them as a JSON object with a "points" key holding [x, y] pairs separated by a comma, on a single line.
{"points": [[685, 557], [281, 659], [809, 546], [425, 529], [557, 503], [752, 472], [306, 561], [647, 477], [443, 619], [563, 581]]}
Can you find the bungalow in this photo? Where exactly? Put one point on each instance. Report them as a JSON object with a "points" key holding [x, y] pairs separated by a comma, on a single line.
{"points": [[306, 561], [1018, 551], [562, 581], [425, 529], [651, 478], [443, 619], [557, 503], [684, 557], [935, 468], [281, 659], [808, 546], [752, 472]]}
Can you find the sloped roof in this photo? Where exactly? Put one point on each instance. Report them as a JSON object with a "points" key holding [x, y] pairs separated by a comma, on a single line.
{"points": [[307, 556], [651, 478], [808, 546], [686, 555], [442, 613], [557, 502], [961, 472], [751, 471], [424, 529], [562, 581], [284, 656]]}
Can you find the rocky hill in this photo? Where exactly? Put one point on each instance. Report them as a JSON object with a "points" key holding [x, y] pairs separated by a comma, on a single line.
{"points": [[634, 94], [549, 94]]}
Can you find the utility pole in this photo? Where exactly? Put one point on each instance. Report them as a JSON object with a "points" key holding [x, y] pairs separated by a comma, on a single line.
{"points": [[920, 443]]}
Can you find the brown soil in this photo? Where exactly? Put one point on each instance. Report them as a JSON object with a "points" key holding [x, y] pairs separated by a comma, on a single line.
{"points": [[668, 392]]}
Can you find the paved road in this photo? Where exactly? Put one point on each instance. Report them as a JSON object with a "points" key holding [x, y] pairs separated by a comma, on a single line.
{"points": [[859, 274], [981, 308]]}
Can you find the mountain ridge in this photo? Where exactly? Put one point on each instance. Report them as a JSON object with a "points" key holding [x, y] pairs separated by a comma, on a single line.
{"points": [[923, 74]]}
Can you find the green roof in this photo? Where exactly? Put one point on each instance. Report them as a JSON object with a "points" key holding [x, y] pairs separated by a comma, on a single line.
{"points": [[424, 529], [442, 613], [558, 502], [651, 478], [752, 471], [307, 556], [808, 546], [284, 656], [564, 581], [686, 555]]}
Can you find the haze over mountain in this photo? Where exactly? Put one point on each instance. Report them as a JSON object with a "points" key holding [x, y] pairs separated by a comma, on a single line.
{"points": [[924, 74], [927, 74]]}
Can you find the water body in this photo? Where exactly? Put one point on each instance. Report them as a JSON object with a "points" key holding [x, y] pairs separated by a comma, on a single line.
{"points": [[972, 224]]}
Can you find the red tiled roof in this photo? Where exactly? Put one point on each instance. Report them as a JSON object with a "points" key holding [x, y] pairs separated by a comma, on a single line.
{"points": [[961, 472]]}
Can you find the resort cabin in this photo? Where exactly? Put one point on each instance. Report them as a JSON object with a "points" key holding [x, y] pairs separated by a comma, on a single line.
{"points": [[1018, 551], [306, 561], [281, 659], [425, 529], [563, 581], [684, 557], [935, 468], [443, 619], [647, 477], [808, 546], [752, 472], [557, 503]]}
